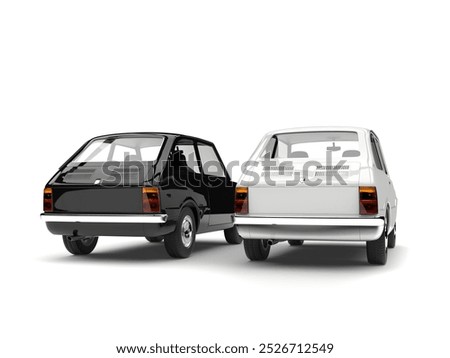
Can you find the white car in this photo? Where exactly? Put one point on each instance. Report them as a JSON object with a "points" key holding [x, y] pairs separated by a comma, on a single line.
{"points": [[318, 183]]}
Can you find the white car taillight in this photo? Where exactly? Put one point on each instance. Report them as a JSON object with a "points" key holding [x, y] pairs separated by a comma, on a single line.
{"points": [[368, 201]]}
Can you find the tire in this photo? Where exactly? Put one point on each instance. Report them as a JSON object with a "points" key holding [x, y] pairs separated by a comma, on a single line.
{"points": [[155, 239], [257, 250], [232, 236], [377, 249], [296, 242], [392, 237], [80, 247], [180, 242]]}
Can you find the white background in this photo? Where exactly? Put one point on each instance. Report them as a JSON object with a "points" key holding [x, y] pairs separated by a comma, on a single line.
{"points": [[228, 71]]}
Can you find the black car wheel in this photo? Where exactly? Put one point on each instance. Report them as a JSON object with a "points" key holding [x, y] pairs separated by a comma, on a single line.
{"points": [[296, 242], [155, 239], [392, 237], [256, 250], [80, 247], [377, 249], [180, 242], [232, 236]]}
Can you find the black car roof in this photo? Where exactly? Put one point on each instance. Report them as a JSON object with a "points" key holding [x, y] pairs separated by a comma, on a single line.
{"points": [[166, 134]]}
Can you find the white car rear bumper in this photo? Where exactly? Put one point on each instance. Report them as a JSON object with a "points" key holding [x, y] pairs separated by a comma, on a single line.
{"points": [[302, 228]]}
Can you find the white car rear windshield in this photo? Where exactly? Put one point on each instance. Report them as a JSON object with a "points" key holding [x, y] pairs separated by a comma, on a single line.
{"points": [[314, 145], [143, 149]]}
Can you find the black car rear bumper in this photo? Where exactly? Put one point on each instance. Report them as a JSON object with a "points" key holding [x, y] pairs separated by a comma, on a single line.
{"points": [[105, 218], [108, 225]]}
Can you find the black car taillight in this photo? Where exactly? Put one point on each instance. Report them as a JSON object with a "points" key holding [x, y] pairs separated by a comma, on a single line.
{"points": [[241, 200], [368, 201], [150, 200], [48, 200]]}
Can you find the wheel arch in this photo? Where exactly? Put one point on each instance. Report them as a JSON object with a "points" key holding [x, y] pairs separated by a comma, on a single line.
{"points": [[191, 204]]}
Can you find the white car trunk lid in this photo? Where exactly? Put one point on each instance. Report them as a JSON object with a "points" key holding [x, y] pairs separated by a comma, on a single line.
{"points": [[322, 190]]}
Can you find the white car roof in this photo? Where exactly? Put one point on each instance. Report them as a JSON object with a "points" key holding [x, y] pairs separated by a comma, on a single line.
{"points": [[362, 131], [318, 129]]}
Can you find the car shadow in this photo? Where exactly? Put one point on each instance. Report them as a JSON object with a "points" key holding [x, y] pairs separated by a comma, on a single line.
{"points": [[145, 252], [217, 253], [311, 254], [327, 256]]}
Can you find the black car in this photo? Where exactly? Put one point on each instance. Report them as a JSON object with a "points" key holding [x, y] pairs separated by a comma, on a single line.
{"points": [[161, 186]]}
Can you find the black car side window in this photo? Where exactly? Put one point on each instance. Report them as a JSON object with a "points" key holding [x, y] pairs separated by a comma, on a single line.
{"points": [[187, 153], [211, 164]]}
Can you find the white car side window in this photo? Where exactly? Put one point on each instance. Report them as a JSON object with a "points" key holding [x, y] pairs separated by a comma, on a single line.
{"points": [[380, 153], [376, 154]]}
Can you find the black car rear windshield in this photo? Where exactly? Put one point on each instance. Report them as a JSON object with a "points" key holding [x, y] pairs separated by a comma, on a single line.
{"points": [[119, 149], [114, 160]]}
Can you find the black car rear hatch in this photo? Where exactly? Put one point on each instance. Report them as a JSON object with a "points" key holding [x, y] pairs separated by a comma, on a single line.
{"points": [[97, 188]]}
